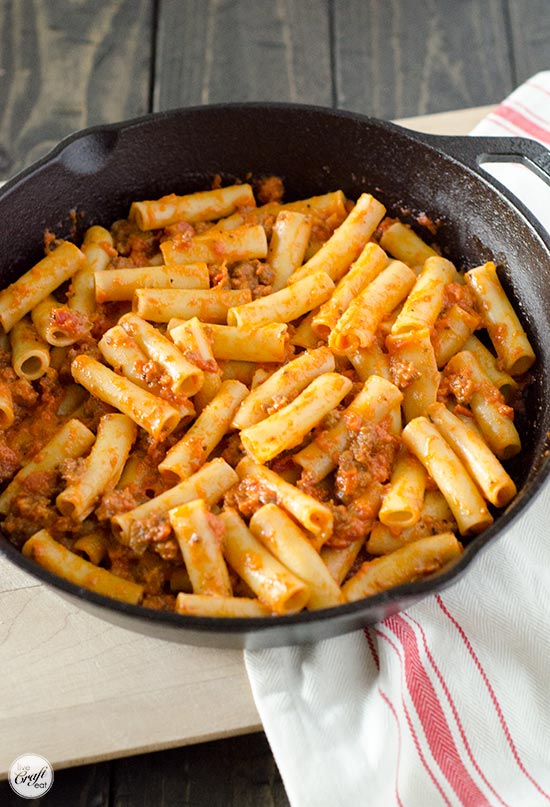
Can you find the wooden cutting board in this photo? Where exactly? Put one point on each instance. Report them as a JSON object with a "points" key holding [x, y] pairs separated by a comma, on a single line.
{"points": [[78, 690]]}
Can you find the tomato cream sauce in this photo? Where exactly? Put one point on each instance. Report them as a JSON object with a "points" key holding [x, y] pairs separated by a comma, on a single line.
{"points": [[360, 465]]}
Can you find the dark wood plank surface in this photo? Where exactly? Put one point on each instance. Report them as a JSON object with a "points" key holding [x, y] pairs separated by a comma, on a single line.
{"points": [[85, 786], [65, 65], [211, 51], [411, 58], [529, 31], [239, 772]]}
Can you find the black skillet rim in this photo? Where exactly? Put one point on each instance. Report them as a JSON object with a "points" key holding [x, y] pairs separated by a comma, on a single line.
{"points": [[415, 591]]}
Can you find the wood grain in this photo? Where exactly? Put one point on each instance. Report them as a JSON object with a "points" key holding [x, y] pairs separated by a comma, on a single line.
{"points": [[13, 578], [239, 772], [86, 690], [211, 51], [87, 786], [396, 59], [457, 121], [64, 66], [530, 36]]}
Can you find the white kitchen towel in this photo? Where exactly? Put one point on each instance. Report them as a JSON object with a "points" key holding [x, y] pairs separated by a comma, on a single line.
{"points": [[447, 703], [525, 113]]}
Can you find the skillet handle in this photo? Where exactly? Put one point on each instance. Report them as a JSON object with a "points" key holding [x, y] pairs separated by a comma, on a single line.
{"points": [[473, 151]]}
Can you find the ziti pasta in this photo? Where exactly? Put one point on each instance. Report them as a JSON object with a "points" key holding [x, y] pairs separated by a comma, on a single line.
{"points": [[224, 409]]}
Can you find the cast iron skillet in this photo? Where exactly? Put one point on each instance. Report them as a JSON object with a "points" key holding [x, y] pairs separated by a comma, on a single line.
{"points": [[101, 170]]}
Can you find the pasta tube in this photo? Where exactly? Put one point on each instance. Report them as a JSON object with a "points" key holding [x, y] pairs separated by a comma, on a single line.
{"points": [[208, 305], [135, 472], [153, 414], [472, 386], [198, 535], [193, 207], [405, 245], [215, 246], [339, 560], [368, 265], [243, 371], [371, 360], [284, 305], [303, 335], [374, 402], [402, 503], [488, 363], [312, 514], [22, 296], [287, 246], [189, 453], [93, 546], [30, 354], [286, 541], [411, 562], [435, 516], [58, 356], [495, 484], [123, 353], [7, 415], [209, 483], [73, 400], [98, 249], [288, 427], [345, 244], [56, 324], [467, 417], [54, 557], [275, 586], [414, 348], [120, 284], [212, 605], [357, 327], [115, 437], [425, 301], [507, 335], [327, 206], [195, 346], [283, 385], [451, 333], [451, 477], [186, 377], [72, 440], [266, 343]]}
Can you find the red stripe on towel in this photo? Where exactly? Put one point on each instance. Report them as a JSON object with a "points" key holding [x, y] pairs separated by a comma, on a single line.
{"points": [[531, 113], [432, 717], [496, 121], [454, 710], [538, 87], [391, 707], [522, 122], [372, 647], [492, 695], [410, 723]]}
